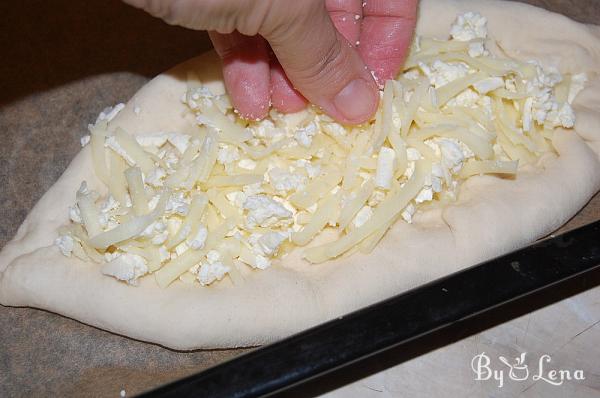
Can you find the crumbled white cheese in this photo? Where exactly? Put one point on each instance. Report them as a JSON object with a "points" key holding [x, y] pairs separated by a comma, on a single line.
{"points": [[452, 155], [467, 98], [237, 198], [290, 121], [155, 177], [112, 143], [546, 76], [126, 267], [109, 113], [362, 216], [441, 73], [160, 226], [198, 94], [198, 241], [203, 120], [263, 208], [477, 49], [195, 268], [311, 169], [108, 256], [283, 181], [213, 256], [149, 231], [334, 129], [540, 88], [433, 184], [263, 247], [577, 84], [247, 164], [385, 168], [152, 140], [66, 244], [253, 189], [408, 212], [435, 178], [265, 129], [177, 203], [75, 214], [109, 204], [227, 154], [510, 84], [485, 102], [164, 254], [412, 74], [212, 271], [564, 117], [469, 26], [425, 195], [85, 140], [106, 216], [262, 262], [269, 243], [543, 104], [304, 135]]}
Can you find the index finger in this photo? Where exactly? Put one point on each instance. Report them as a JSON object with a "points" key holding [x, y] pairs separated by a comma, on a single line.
{"points": [[387, 31]]}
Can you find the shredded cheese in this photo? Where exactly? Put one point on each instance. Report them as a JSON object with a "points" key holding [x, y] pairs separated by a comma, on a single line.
{"points": [[198, 206]]}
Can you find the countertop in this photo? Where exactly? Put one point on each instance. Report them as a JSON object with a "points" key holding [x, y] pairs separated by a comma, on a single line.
{"points": [[64, 62]]}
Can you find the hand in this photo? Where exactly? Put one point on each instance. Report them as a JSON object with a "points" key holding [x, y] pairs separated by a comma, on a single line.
{"points": [[320, 44]]}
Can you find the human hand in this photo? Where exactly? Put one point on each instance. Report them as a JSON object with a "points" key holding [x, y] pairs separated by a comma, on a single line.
{"points": [[327, 49]]}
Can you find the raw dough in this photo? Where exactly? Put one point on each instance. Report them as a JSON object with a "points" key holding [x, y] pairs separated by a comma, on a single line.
{"points": [[284, 299]]}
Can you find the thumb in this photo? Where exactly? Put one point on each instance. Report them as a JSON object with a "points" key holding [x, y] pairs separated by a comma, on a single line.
{"points": [[319, 62]]}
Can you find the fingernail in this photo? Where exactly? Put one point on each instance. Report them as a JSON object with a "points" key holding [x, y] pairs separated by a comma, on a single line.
{"points": [[357, 101]]}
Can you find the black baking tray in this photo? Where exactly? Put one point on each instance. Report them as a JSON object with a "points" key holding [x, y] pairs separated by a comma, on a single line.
{"points": [[397, 321]]}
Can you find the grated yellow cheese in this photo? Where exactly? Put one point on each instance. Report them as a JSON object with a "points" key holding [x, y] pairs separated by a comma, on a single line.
{"points": [[227, 193]]}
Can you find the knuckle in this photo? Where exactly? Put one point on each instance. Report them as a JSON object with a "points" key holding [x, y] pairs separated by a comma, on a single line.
{"points": [[329, 65], [282, 18]]}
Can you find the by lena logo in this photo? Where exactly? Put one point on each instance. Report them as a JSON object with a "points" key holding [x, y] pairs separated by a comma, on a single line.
{"points": [[518, 370]]}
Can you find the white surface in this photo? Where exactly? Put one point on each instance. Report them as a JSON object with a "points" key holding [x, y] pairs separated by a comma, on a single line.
{"points": [[568, 331]]}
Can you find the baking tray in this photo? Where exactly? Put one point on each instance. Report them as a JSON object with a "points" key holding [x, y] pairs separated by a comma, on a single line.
{"points": [[397, 321]]}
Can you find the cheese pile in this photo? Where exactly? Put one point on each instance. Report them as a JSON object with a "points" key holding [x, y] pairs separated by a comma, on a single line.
{"points": [[200, 205]]}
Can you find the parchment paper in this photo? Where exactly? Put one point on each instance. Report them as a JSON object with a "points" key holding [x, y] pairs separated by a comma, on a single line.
{"points": [[64, 62]]}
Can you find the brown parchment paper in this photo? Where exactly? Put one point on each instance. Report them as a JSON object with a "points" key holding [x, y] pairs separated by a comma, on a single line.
{"points": [[64, 61]]}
